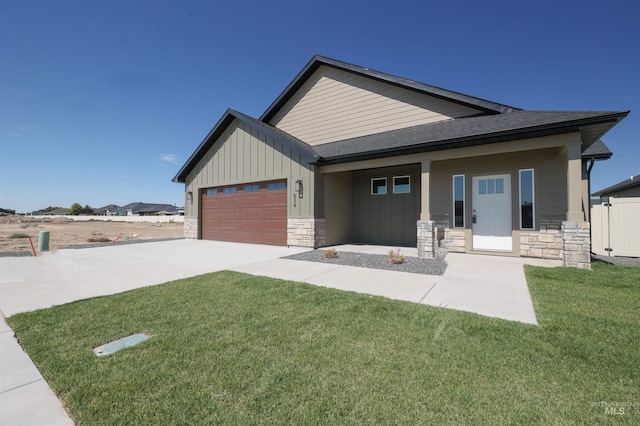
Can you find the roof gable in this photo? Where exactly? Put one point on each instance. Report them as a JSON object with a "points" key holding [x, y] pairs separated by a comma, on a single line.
{"points": [[334, 104], [222, 124], [420, 88]]}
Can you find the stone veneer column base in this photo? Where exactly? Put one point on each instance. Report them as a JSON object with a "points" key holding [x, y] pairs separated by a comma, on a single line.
{"points": [[546, 244], [454, 240], [305, 232], [576, 244], [191, 227], [426, 238]]}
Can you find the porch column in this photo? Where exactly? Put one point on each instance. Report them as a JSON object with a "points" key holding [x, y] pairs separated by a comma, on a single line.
{"points": [[574, 184], [425, 209], [425, 227]]}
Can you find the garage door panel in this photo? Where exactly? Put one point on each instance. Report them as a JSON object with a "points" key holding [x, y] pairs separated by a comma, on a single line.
{"points": [[257, 215]]}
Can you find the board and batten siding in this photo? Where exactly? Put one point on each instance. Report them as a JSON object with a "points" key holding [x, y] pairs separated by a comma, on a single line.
{"points": [[334, 105], [242, 155]]}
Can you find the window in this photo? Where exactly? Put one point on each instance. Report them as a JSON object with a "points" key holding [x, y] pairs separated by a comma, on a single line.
{"points": [[252, 188], [401, 184], [212, 192], [491, 186], [378, 186], [230, 190], [276, 186], [527, 199], [458, 201]]}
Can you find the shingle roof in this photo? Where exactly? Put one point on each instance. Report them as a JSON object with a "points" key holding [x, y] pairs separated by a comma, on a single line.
{"points": [[318, 60], [629, 183], [597, 151], [467, 131]]}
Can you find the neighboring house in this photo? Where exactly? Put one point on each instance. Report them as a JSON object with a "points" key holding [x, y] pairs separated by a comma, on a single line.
{"points": [[110, 210], [348, 154], [56, 212], [147, 209], [615, 220]]}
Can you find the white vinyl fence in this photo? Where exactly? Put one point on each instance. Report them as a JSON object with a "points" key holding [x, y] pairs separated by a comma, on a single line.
{"points": [[130, 219], [615, 227]]}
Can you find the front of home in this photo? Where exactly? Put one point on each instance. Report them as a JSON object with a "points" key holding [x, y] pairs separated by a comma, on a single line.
{"points": [[350, 155]]}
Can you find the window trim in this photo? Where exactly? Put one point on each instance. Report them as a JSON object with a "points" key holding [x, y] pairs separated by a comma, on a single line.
{"points": [[463, 201], [401, 177], [533, 198], [386, 190]]}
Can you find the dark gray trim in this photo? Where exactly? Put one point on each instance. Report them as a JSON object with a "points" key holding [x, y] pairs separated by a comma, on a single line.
{"points": [[217, 130], [317, 61]]}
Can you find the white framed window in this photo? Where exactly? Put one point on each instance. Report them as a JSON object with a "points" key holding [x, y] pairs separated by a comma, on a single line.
{"points": [[401, 184], [527, 199], [378, 186], [458, 201]]}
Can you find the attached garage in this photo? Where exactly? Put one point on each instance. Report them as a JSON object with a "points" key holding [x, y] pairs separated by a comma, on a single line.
{"points": [[249, 213]]}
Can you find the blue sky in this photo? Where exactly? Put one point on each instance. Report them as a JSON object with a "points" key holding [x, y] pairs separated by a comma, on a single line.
{"points": [[102, 101]]}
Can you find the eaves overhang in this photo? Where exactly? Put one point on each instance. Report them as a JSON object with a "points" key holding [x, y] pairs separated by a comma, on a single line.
{"points": [[604, 121]]}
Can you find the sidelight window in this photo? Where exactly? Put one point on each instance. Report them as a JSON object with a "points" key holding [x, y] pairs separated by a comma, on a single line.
{"points": [[527, 199], [458, 201]]}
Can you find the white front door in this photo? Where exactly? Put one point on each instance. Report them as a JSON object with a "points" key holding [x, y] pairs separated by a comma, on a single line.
{"points": [[491, 220]]}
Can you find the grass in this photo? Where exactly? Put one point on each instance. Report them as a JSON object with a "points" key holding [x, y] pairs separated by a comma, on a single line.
{"points": [[230, 348]]}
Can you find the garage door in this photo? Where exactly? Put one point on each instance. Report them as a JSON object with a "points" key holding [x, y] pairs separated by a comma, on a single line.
{"points": [[251, 213]]}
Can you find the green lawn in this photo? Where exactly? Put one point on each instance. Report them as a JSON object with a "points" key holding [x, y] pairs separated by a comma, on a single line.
{"points": [[230, 348]]}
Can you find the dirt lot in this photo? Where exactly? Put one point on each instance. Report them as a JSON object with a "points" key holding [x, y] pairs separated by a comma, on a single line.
{"points": [[65, 232]]}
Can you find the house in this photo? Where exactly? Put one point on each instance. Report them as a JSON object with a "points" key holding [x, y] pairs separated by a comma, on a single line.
{"points": [[349, 154], [627, 188], [110, 210], [56, 212], [147, 209], [615, 220]]}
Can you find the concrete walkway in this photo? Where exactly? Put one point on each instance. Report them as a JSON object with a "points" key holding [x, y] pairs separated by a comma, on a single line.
{"points": [[487, 285]]}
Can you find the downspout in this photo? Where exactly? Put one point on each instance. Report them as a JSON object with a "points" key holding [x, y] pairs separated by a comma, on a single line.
{"points": [[593, 162]]}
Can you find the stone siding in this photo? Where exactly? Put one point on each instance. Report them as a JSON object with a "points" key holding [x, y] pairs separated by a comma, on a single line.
{"points": [[545, 244], [306, 232], [426, 238], [454, 240], [576, 244], [191, 227]]}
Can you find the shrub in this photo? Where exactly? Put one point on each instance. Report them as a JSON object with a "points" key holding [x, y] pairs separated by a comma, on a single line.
{"points": [[395, 258], [330, 253], [18, 235], [99, 240]]}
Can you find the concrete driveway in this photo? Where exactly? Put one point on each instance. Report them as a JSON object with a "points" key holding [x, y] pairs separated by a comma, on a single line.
{"points": [[487, 285]]}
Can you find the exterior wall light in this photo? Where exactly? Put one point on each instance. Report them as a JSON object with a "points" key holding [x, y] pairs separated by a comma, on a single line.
{"points": [[190, 197], [299, 188]]}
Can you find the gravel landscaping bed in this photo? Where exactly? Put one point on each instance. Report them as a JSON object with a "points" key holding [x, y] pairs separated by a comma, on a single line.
{"points": [[619, 261], [434, 266]]}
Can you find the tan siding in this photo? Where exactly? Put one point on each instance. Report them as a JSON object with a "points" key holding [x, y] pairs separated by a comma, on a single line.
{"points": [[243, 155], [338, 208], [550, 183], [335, 104]]}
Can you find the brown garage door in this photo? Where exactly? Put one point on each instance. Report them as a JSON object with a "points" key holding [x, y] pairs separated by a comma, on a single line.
{"points": [[252, 213]]}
